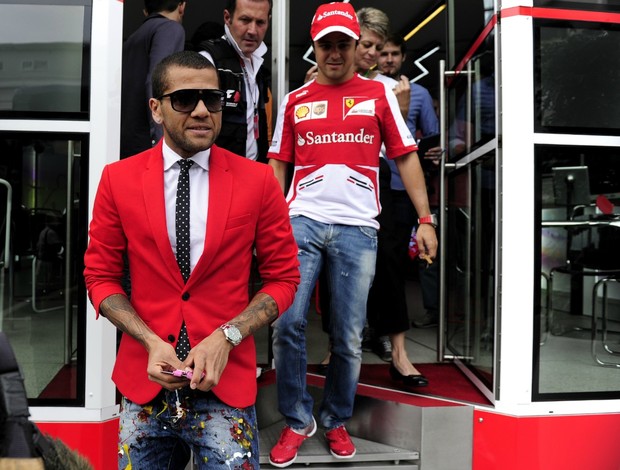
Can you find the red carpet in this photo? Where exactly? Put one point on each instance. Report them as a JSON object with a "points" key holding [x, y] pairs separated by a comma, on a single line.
{"points": [[445, 381]]}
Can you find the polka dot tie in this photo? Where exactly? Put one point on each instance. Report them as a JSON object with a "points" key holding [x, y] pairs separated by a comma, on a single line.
{"points": [[181, 224]]}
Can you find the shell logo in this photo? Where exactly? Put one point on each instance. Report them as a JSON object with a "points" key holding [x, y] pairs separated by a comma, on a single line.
{"points": [[302, 112]]}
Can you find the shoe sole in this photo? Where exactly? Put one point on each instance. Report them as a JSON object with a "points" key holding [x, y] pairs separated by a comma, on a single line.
{"points": [[316, 427], [283, 465], [343, 457]]}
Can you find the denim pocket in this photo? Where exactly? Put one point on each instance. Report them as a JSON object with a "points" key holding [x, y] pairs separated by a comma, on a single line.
{"points": [[370, 232]]}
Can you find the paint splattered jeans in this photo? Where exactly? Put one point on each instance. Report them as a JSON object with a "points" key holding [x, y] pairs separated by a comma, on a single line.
{"points": [[161, 434]]}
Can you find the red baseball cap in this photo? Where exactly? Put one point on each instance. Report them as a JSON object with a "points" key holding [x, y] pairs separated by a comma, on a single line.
{"points": [[335, 17]]}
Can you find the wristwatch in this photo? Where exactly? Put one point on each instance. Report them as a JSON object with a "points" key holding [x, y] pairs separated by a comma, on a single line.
{"points": [[429, 219], [232, 333]]}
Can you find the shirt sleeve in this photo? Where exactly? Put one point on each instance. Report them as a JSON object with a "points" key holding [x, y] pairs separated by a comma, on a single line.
{"points": [[276, 249], [282, 143], [429, 124], [103, 259], [397, 138]]}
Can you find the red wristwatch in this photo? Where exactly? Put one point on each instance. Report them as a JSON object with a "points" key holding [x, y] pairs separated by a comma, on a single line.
{"points": [[428, 219]]}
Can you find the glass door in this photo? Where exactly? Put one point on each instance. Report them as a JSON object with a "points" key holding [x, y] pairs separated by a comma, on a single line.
{"points": [[41, 282], [468, 241], [469, 301]]}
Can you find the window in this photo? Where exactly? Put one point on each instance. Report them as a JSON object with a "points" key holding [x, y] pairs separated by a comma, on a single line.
{"points": [[44, 69], [577, 77], [43, 181], [577, 243]]}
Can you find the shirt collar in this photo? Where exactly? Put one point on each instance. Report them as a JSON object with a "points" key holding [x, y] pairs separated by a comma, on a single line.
{"points": [[256, 55], [171, 157]]}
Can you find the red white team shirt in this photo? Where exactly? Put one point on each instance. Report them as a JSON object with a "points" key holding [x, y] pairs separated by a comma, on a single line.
{"points": [[333, 135]]}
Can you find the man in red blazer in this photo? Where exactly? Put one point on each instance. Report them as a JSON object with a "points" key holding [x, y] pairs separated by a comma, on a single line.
{"points": [[236, 207]]}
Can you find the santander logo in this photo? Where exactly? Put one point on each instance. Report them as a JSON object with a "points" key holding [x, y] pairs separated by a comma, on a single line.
{"points": [[327, 14], [310, 138]]}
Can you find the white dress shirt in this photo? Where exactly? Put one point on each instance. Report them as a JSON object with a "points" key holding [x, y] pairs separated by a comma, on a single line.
{"points": [[199, 199]]}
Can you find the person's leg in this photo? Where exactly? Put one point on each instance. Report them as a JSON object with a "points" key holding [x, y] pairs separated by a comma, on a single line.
{"points": [[400, 359], [221, 436], [351, 253], [387, 303], [404, 219], [289, 331], [147, 439], [324, 301]]}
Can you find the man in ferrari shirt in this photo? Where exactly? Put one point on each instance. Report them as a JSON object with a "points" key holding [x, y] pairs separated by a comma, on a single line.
{"points": [[331, 129]]}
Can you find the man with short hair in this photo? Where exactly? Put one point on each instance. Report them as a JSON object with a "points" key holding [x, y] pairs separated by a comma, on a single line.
{"points": [[391, 59], [188, 217], [160, 35], [238, 56], [331, 129], [421, 116]]}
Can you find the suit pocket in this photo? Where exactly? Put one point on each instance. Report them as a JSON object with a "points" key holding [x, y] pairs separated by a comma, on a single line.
{"points": [[235, 222]]}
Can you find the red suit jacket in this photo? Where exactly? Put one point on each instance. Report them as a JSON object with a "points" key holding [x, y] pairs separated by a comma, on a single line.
{"points": [[247, 211]]}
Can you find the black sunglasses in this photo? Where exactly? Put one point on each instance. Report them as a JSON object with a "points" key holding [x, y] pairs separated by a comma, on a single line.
{"points": [[185, 101]]}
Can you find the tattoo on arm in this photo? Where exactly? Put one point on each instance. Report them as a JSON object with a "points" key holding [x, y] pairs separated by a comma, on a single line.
{"points": [[121, 314], [261, 311]]}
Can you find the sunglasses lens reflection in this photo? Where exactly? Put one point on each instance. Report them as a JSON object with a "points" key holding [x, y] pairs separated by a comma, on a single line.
{"points": [[184, 101]]}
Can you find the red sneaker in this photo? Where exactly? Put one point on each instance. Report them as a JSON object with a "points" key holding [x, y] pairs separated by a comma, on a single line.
{"points": [[284, 452], [340, 444]]}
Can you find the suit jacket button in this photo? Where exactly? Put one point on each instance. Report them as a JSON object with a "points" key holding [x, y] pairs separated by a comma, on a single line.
{"points": [[171, 338], [185, 296]]}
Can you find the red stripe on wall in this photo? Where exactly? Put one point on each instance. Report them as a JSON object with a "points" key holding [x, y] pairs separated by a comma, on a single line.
{"points": [[483, 35], [546, 13], [559, 14]]}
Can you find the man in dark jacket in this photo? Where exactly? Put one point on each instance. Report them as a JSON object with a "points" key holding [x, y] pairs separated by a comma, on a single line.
{"points": [[238, 56], [160, 35]]}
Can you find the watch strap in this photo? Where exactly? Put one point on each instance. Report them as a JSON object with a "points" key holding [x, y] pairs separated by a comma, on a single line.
{"points": [[428, 219]]}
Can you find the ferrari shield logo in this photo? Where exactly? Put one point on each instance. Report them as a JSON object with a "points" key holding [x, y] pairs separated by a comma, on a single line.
{"points": [[358, 106]]}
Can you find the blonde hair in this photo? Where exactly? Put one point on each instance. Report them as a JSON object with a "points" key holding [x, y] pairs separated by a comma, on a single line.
{"points": [[374, 20]]}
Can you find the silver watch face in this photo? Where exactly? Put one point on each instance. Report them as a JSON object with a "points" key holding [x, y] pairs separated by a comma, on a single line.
{"points": [[232, 334]]}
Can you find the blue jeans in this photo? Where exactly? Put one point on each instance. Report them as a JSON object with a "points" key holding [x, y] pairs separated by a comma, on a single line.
{"points": [[348, 253], [153, 436]]}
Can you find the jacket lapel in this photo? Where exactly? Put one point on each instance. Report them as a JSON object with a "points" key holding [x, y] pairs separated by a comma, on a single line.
{"points": [[220, 194], [153, 193]]}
